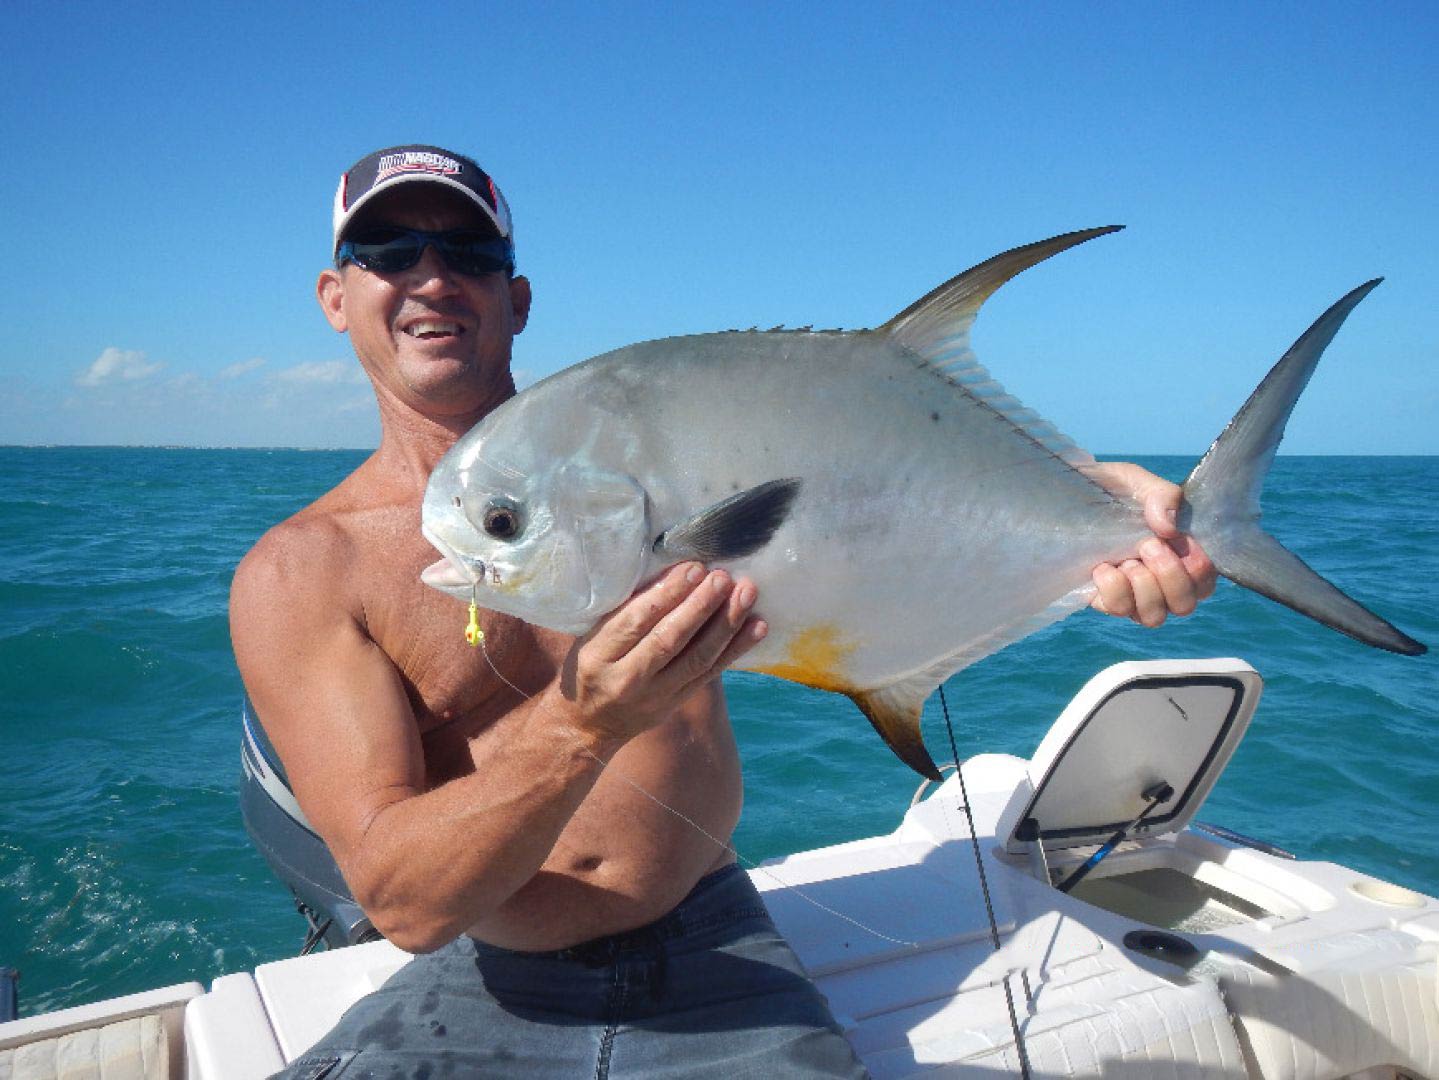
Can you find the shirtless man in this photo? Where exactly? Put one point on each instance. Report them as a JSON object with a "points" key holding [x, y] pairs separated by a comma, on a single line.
{"points": [[503, 834]]}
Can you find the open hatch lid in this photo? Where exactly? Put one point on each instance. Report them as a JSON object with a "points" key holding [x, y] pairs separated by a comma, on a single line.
{"points": [[1133, 726]]}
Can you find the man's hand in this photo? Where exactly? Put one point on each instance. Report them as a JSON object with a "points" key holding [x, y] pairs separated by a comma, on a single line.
{"points": [[1172, 573], [647, 656]]}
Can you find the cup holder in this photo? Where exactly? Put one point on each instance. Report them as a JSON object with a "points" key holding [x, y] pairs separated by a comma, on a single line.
{"points": [[1381, 892], [1164, 947]]}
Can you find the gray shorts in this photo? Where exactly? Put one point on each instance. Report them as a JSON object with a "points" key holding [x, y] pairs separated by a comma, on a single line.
{"points": [[710, 990]]}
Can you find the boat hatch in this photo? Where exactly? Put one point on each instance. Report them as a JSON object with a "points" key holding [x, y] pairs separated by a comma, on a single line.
{"points": [[1138, 749]]}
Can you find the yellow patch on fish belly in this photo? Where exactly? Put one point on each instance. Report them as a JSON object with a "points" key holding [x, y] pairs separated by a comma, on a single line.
{"points": [[815, 657]]}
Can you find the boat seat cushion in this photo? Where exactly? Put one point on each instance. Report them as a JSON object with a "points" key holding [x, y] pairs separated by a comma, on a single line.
{"points": [[1378, 1009], [134, 1049]]}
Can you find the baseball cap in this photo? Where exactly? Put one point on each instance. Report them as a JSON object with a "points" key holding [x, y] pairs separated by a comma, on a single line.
{"points": [[395, 165]]}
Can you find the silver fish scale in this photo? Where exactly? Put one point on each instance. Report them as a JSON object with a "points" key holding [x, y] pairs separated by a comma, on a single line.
{"points": [[935, 521], [926, 519]]}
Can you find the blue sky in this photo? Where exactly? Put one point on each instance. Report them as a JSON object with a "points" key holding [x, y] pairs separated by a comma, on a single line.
{"points": [[683, 168]]}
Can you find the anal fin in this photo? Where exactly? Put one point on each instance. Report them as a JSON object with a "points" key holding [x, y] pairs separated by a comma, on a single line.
{"points": [[894, 711]]}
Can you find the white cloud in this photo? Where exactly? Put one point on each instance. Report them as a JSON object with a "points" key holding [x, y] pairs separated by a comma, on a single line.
{"points": [[117, 365], [240, 367], [329, 372], [124, 398]]}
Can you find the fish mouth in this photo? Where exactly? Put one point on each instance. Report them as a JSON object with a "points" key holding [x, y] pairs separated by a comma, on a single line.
{"points": [[446, 576], [453, 571]]}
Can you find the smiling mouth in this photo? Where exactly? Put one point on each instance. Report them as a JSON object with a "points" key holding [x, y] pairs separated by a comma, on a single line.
{"points": [[433, 329]]}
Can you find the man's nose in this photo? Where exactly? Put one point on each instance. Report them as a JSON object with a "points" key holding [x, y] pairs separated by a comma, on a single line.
{"points": [[431, 274]]}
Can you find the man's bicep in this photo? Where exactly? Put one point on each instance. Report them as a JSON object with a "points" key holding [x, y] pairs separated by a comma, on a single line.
{"points": [[330, 700]]}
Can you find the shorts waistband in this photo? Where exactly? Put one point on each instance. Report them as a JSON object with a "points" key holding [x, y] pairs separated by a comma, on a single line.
{"points": [[600, 951]]}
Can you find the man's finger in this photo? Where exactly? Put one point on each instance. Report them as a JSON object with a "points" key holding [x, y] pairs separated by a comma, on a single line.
{"points": [[675, 630], [624, 628], [750, 634], [1174, 580], [1161, 509], [722, 640], [1197, 565], [1115, 596], [1150, 608]]}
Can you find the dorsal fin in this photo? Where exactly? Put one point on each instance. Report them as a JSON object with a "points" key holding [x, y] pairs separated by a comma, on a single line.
{"points": [[947, 312], [936, 329]]}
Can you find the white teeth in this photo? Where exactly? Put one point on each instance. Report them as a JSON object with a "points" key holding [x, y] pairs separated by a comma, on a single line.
{"points": [[421, 329]]}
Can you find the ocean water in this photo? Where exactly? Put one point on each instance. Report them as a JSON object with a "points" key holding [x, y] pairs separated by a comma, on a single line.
{"points": [[123, 864]]}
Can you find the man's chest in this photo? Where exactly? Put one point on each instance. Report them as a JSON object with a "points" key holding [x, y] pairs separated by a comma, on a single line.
{"points": [[422, 631]]}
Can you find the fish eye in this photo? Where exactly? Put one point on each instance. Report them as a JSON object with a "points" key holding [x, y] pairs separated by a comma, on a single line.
{"points": [[502, 520]]}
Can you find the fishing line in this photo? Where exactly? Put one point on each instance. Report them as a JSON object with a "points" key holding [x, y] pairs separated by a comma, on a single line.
{"points": [[984, 885], [476, 637]]}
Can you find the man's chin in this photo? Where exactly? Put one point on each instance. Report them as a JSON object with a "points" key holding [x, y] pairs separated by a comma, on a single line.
{"points": [[452, 386], [453, 351]]}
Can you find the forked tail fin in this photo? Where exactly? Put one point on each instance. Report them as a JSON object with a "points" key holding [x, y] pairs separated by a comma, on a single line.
{"points": [[1222, 497]]}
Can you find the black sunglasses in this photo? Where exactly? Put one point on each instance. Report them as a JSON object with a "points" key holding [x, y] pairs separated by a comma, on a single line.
{"points": [[388, 249]]}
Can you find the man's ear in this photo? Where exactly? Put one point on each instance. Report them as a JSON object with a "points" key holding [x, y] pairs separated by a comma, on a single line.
{"points": [[330, 291], [520, 301]]}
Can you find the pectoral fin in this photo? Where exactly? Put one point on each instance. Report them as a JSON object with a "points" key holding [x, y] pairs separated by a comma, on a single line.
{"points": [[894, 711], [734, 527]]}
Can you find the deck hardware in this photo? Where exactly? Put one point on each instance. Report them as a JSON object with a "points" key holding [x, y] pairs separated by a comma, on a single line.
{"points": [[1155, 794]]}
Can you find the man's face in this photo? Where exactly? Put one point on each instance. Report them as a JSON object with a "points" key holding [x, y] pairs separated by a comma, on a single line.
{"points": [[432, 339]]}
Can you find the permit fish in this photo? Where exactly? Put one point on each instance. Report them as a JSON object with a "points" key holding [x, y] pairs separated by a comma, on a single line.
{"points": [[902, 515]]}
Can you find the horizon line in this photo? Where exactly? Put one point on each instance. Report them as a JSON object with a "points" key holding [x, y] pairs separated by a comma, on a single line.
{"points": [[1121, 455]]}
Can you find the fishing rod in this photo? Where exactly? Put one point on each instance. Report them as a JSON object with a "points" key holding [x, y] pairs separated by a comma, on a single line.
{"points": [[1243, 841], [984, 888], [475, 636]]}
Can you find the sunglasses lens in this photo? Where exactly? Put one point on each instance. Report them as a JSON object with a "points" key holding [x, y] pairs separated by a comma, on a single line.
{"points": [[465, 251], [474, 252], [385, 251]]}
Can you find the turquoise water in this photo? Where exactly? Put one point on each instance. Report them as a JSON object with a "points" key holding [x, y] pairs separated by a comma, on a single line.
{"points": [[123, 864]]}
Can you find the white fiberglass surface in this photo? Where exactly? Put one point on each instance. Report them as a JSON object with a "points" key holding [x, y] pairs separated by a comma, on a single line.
{"points": [[1168, 899]]}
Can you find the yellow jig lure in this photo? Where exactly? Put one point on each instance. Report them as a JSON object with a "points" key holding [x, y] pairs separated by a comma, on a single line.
{"points": [[473, 634]]}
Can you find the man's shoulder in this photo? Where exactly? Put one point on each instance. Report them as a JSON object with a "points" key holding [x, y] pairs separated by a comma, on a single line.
{"points": [[315, 531], [307, 551]]}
